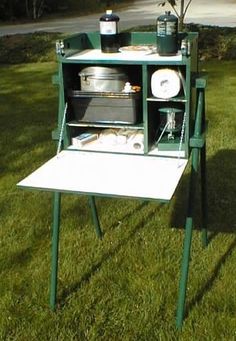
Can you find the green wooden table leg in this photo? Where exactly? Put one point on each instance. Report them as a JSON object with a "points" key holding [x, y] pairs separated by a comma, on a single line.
{"points": [[204, 197], [95, 216], [204, 179], [184, 272], [187, 242], [55, 245]]}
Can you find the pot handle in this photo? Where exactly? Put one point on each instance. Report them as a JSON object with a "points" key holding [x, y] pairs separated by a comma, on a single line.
{"points": [[84, 77]]}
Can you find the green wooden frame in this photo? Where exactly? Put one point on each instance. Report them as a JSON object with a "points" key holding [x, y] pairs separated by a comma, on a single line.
{"points": [[195, 141]]}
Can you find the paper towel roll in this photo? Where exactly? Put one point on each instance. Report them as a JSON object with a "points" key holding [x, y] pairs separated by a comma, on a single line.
{"points": [[165, 83], [136, 141]]}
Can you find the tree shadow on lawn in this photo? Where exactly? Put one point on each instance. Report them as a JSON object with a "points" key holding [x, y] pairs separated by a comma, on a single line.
{"points": [[221, 202]]}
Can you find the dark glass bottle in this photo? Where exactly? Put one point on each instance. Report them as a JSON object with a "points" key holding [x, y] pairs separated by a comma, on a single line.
{"points": [[109, 32], [167, 34]]}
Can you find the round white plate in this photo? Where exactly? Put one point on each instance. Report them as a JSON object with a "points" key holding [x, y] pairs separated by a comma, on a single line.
{"points": [[138, 49]]}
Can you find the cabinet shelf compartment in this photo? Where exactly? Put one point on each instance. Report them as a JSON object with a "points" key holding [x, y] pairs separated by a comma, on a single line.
{"points": [[72, 78], [105, 107], [165, 126], [166, 80], [104, 139]]}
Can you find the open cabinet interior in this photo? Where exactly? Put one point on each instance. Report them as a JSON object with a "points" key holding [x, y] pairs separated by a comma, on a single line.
{"points": [[126, 102]]}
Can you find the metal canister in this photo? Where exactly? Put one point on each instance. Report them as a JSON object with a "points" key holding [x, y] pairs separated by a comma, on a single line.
{"points": [[109, 32], [167, 34]]}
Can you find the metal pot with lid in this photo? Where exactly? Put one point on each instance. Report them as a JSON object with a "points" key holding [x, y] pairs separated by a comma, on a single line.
{"points": [[102, 79]]}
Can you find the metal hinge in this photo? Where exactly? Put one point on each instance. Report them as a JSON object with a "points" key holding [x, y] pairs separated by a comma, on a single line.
{"points": [[60, 47]]}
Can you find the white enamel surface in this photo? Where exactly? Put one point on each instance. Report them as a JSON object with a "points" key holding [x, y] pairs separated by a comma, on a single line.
{"points": [[109, 174], [96, 54]]}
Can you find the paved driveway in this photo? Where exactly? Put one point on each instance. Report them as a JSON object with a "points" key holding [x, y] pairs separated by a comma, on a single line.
{"points": [[214, 12]]}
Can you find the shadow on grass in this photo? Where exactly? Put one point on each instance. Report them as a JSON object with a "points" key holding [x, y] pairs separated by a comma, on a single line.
{"points": [[221, 170], [27, 118], [108, 255], [221, 210], [16, 260], [221, 199], [115, 221], [209, 284]]}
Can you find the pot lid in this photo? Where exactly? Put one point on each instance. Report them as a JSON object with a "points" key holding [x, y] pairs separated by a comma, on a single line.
{"points": [[102, 72]]}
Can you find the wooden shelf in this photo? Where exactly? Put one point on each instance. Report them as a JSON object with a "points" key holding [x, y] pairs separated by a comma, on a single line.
{"points": [[180, 99], [105, 125]]}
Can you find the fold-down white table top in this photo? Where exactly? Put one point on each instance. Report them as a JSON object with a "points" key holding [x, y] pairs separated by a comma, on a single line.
{"points": [[108, 174]]}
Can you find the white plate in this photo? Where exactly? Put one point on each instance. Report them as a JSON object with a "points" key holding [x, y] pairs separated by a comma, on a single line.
{"points": [[138, 49]]}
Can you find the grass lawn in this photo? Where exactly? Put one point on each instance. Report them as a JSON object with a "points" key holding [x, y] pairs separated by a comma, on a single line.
{"points": [[125, 286]]}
